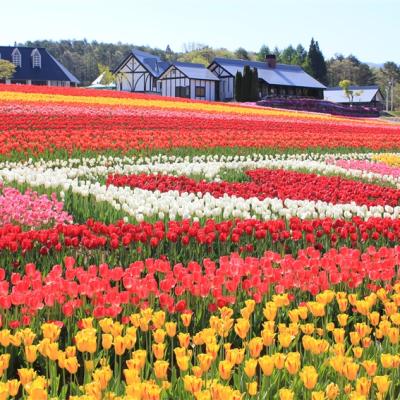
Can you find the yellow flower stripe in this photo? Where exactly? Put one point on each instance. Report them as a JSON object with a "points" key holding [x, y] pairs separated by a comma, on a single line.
{"points": [[162, 104], [388, 158]]}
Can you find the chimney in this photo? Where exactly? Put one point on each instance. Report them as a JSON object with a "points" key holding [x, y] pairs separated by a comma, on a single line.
{"points": [[271, 60]]}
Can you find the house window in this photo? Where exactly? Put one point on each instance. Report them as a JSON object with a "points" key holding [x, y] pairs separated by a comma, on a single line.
{"points": [[200, 91], [36, 59], [182, 91], [16, 57], [154, 85]]}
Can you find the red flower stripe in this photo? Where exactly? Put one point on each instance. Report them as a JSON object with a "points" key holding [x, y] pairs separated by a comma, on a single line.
{"points": [[271, 183], [106, 289]]}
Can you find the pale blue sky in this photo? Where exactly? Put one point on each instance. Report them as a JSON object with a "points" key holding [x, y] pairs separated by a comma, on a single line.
{"points": [[370, 29]]}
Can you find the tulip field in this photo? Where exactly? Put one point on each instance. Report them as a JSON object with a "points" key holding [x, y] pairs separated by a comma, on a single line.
{"points": [[158, 248]]}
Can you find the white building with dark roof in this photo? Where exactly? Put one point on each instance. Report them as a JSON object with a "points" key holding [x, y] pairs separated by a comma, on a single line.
{"points": [[192, 81], [142, 72]]}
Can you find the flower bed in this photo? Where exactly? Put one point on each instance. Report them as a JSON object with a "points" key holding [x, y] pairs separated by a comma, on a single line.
{"points": [[226, 266]]}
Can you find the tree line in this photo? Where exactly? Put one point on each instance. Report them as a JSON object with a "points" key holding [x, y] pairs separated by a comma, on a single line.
{"points": [[83, 59]]}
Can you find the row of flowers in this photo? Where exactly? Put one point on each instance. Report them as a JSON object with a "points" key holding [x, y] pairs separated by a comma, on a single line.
{"points": [[324, 346], [140, 204], [270, 184], [44, 133], [123, 243]]}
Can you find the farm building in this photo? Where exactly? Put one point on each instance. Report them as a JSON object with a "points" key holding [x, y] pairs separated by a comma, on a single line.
{"points": [[193, 81], [139, 72], [145, 73], [36, 66], [369, 96], [275, 79]]}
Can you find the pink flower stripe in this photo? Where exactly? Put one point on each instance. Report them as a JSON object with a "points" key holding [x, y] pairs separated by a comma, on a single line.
{"points": [[271, 183], [369, 166], [30, 210]]}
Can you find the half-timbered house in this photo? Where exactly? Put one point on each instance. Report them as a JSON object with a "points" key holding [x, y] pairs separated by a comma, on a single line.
{"points": [[192, 81], [139, 72]]}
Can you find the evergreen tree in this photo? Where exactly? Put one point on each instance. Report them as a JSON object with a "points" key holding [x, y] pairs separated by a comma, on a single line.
{"points": [[242, 54], [264, 51], [238, 86], [246, 83], [254, 85], [316, 62]]}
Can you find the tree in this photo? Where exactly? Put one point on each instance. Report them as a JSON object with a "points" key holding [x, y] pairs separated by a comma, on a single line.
{"points": [[288, 55], [316, 62], [345, 85], [246, 83], [262, 54], [242, 54], [108, 77], [254, 88], [238, 86], [7, 69]]}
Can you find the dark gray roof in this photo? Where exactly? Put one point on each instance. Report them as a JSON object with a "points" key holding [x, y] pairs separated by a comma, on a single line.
{"points": [[282, 74], [152, 63], [50, 70], [362, 94], [195, 71]]}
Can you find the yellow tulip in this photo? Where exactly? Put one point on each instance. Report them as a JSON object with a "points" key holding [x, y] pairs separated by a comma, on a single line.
{"points": [[71, 365], [363, 386], [31, 353], [286, 394], [192, 384], [255, 346], [318, 395], [106, 341], [186, 319], [205, 361], [252, 388], [225, 369], [119, 345], [332, 391], [267, 365], [242, 326], [250, 367], [170, 328], [183, 362], [370, 367], [309, 377], [160, 369], [382, 383], [292, 363], [158, 350], [159, 335]]}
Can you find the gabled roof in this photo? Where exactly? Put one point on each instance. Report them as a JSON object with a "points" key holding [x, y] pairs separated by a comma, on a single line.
{"points": [[152, 63], [362, 94], [282, 74], [192, 71], [50, 70]]}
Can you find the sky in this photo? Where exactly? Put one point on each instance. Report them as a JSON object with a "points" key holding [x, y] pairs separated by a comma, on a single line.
{"points": [[369, 29]]}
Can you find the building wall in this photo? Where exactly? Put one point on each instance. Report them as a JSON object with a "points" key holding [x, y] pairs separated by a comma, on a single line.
{"points": [[175, 79], [133, 77]]}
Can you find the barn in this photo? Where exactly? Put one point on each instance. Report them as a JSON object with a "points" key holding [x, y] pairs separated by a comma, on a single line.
{"points": [[369, 96], [36, 66], [188, 80], [139, 72], [274, 79]]}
